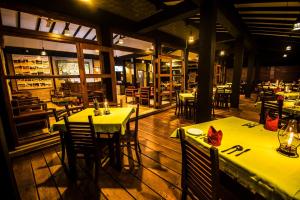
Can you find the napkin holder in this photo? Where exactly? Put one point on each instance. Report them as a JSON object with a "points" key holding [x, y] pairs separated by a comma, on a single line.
{"points": [[214, 137]]}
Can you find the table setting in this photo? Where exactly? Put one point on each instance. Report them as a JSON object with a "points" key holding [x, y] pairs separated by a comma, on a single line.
{"points": [[247, 152]]}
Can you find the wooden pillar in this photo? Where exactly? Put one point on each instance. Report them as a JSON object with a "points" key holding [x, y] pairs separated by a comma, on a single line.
{"points": [[237, 71], [185, 68], [105, 38], [7, 182], [251, 61], [147, 74], [207, 45], [133, 61], [83, 84], [156, 53], [124, 72]]}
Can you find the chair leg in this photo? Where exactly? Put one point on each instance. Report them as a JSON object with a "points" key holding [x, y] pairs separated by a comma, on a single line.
{"points": [[138, 144], [63, 148], [137, 153]]}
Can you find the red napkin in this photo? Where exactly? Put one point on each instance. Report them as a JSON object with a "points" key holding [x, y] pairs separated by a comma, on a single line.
{"points": [[214, 137], [277, 90], [271, 124], [280, 98]]}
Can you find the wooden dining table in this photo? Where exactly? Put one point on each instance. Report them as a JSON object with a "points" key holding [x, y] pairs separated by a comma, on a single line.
{"points": [[115, 123], [262, 169]]}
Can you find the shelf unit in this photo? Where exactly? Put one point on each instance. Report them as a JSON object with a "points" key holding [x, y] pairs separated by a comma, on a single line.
{"points": [[30, 65], [192, 73]]}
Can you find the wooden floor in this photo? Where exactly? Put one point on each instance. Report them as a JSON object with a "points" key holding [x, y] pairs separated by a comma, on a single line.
{"points": [[42, 176]]}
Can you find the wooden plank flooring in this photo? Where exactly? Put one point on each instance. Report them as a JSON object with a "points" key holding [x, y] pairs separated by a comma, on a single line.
{"points": [[42, 176]]}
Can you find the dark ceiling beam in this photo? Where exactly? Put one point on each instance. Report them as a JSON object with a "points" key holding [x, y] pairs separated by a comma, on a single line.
{"points": [[38, 24], [87, 33], [158, 4], [12, 31], [94, 38], [52, 27], [66, 27], [283, 8], [129, 49], [173, 13], [18, 19], [276, 35], [77, 30]]}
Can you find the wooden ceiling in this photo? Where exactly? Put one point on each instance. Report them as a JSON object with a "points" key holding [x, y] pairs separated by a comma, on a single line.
{"points": [[153, 19], [16, 20], [269, 18]]}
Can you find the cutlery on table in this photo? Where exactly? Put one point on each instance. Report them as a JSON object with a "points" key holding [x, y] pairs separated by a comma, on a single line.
{"points": [[237, 148], [243, 152], [229, 148]]}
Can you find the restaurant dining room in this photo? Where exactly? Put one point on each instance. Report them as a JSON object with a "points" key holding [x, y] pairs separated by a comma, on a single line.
{"points": [[150, 99]]}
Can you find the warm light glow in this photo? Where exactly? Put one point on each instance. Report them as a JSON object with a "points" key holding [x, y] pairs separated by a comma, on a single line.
{"points": [[296, 26], [191, 39], [121, 41], [67, 32], [143, 61], [97, 50], [290, 140], [284, 55], [288, 48], [43, 52], [222, 53]]}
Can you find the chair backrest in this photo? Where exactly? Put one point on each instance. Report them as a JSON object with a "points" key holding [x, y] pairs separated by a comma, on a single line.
{"points": [[80, 136], [268, 95], [145, 92], [177, 97], [200, 170], [272, 108], [60, 114], [136, 125]]}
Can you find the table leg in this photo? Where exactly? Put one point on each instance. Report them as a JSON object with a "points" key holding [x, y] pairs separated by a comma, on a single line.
{"points": [[118, 152]]}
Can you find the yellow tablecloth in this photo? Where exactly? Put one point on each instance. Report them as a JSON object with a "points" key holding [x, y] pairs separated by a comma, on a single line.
{"points": [[262, 169], [289, 95], [272, 87], [288, 107], [186, 96], [111, 123]]}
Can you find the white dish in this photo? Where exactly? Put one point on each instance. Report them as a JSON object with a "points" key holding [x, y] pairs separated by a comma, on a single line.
{"points": [[194, 131]]}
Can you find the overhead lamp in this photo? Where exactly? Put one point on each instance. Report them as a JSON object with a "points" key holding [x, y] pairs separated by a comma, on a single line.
{"points": [[222, 53], [67, 31], [288, 47], [296, 26], [49, 22], [143, 61], [43, 52], [121, 41], [284, 55]]}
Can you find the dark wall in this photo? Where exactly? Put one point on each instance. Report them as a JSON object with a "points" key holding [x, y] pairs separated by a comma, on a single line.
{"points": [[285, 73]]}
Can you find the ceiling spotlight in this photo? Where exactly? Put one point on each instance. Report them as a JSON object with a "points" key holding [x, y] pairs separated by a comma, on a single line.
{"points": [[67, 31], [222, 53], [296, 25], [288, 48], [49, 22], [284, 55], [43, 52], [121, 41], [143, 61], [191, 38]]}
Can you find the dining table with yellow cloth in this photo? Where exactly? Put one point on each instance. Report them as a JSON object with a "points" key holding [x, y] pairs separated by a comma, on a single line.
{"points": [[111, 123], [288, 107], [262, 169], [289, 95]]}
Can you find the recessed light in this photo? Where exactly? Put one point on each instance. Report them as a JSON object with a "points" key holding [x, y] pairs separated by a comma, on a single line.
{"points": [[288, 48], [222, 53], [284, 55]]}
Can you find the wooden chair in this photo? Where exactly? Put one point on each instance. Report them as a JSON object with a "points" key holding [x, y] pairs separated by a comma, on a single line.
{"points": [[200, 170], [272, 108], [268, 95], [192, 107], [130, 139], [178, 104], [222, 98], [130, 92], [144, 95], [81, 143], [59, 115]]}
